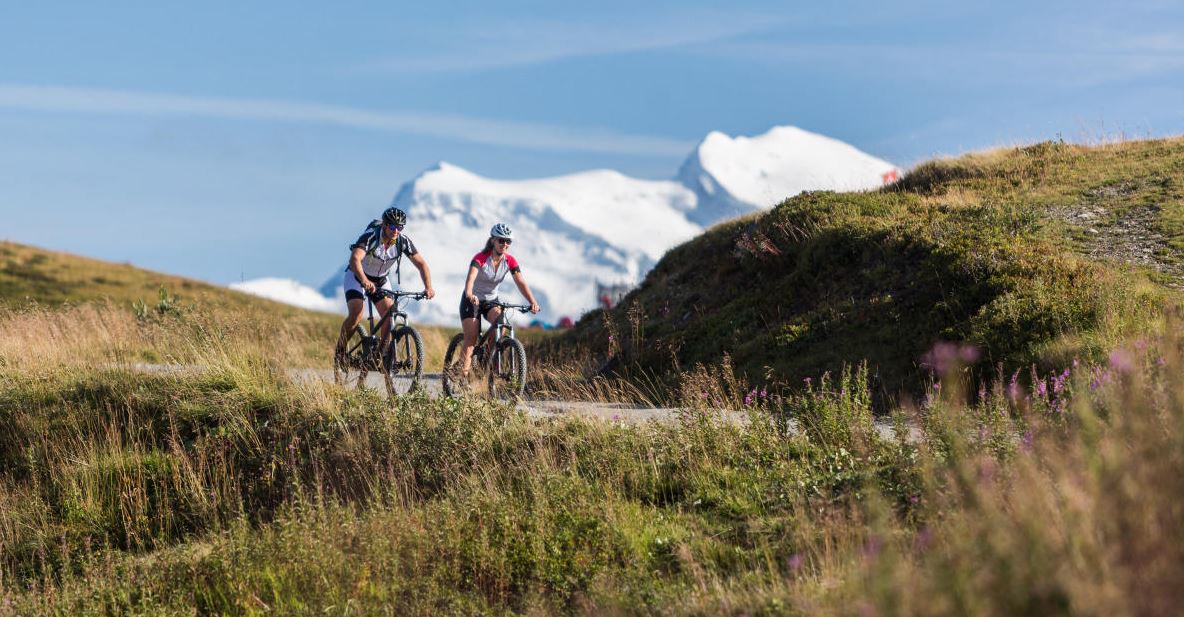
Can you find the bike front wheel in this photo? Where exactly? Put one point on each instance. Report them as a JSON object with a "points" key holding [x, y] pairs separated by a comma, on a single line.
{"points": [[403, 370], [507, 371]]}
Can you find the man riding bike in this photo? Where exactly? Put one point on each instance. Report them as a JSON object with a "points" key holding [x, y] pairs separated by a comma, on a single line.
{"points": [[487, 270], [372, 256]]}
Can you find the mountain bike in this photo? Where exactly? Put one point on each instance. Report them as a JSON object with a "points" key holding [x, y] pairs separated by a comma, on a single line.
{"points": [[497, 353], [400, 360]]}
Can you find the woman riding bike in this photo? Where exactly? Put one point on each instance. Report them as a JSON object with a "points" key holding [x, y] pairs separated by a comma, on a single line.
{"points": [[372, 256], [487, 270]]}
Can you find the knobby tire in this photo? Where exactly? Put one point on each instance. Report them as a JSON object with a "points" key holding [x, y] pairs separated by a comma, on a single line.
{"points": [[403, 372]]}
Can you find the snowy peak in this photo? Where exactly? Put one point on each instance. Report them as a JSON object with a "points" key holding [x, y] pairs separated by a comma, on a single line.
{"points": [[569, 231], [735, 175], [290, 292], [600, 226], [642, 216]]}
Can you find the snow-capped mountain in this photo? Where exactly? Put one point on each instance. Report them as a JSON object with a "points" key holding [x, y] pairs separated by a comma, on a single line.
{"points": [[572, 231], [290, 292], [734, 176], [569, 231]]}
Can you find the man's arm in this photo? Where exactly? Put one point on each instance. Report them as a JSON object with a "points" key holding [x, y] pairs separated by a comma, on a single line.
{"points": [[355, 266], [424, 273]]}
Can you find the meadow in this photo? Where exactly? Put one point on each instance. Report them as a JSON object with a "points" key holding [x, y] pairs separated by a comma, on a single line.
{"points": [[157, 457], [234, 490]]}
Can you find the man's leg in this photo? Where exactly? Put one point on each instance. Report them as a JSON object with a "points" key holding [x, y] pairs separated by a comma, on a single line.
{"points": [[350, 323]]}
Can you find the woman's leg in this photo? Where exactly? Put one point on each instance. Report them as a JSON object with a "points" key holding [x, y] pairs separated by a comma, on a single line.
{"points": [[493, 315], [469, 326]]}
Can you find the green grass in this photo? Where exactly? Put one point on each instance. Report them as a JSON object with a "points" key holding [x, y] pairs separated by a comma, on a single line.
{"points": [[225, 487], [29, 274], [960, 250], [234, 490]]}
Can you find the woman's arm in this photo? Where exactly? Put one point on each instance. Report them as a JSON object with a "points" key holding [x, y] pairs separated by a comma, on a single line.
{"points": [[520, 281], [472, 276]]}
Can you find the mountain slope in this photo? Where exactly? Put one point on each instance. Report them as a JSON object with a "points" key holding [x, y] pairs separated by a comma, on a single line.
{"points": [[971, 250], [49, 277]]}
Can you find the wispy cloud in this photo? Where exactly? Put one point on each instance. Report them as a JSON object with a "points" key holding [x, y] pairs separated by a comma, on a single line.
{"points": [[1062, 66], [475, 47], [530, 136]]}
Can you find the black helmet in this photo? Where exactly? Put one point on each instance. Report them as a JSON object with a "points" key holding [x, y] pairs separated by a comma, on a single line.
{"points": [[394, 216]]}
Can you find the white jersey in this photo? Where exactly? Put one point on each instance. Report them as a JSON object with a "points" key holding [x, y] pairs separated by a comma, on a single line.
{"points": [[379, 259]]}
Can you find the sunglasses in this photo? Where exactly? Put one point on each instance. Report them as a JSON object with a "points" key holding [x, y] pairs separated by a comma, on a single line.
{"points": [[503, 241], [395, 227]]}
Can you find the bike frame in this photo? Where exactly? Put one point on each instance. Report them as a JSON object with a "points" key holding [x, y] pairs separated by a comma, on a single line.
{"points": [[395, 314], [500, 329]]}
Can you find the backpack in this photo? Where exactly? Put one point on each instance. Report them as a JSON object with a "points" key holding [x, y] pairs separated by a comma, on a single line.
{"points": [[375, 231]]}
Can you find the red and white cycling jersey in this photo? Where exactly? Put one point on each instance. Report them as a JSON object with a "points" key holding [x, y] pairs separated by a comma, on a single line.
{"points": [[488, 276]]}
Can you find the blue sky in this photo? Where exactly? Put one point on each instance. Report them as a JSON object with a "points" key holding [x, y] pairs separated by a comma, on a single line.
{"points": [[246, 139]]}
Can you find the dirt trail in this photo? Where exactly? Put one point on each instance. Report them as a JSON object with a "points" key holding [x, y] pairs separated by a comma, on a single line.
{"points": [[610, 412], [1130, 235]]}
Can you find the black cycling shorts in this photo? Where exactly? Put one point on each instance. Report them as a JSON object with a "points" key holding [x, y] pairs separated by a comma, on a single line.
{"points": [[468, 311], [353, 287]]}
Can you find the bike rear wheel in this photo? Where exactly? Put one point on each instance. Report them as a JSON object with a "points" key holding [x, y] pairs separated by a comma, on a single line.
{"points": [[507, 371], [404, 361]]}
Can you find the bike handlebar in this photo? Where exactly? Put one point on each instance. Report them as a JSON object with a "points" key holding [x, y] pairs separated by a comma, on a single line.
{"points": [[525, 308], [380, 293]]}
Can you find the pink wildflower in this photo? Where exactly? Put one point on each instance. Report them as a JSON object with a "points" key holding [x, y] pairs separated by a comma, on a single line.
{"points": [[1121, 361]]}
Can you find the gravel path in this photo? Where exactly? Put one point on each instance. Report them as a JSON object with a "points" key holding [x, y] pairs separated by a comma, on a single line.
{"points": [[610, 412], [1131, 236]]}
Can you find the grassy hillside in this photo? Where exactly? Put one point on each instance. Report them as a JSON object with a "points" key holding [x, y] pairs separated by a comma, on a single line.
{"points": [[238, 490], [34, 277], [50, 278], [1018, 253]]}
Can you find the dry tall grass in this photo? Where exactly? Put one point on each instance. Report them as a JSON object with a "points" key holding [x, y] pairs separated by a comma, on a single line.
{"points": [[235, 490]]}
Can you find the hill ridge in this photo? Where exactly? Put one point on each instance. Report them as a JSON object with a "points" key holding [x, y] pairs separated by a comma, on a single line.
{"points": [[969, 249]]}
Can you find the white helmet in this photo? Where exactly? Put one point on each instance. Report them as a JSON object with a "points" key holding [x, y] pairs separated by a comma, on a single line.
{"points": [[502, 230]]}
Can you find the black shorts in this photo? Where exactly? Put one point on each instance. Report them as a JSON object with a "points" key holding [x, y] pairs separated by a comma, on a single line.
{"points": [[468, 311], [354, 289]]}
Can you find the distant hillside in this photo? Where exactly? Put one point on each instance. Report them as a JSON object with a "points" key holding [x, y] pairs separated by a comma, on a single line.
{"points": [[49, 277], [31, 275], [1019, 252]]}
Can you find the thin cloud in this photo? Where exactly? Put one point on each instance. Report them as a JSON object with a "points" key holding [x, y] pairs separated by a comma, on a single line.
{"points": [[494, 46], [529, 136], [1061, 65]]}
